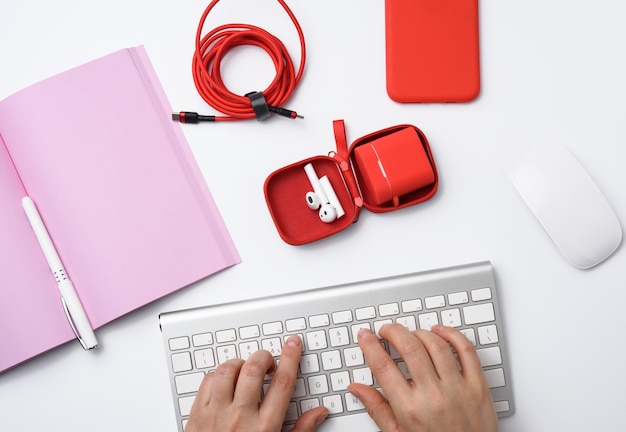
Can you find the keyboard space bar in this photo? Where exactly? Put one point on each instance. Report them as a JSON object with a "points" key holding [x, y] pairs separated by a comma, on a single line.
{"points": [[360, 422]]}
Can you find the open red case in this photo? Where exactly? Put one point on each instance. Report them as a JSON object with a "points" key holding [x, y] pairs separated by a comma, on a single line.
{"points": [[384, 171]]}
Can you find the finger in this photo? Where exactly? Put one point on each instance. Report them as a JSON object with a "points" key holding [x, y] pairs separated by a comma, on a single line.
{"points": [[224, 381], [470, 362], [377, 407], [382, 366], [310, 420], [251, 377], [204, 391], [440, 354], [412, 351], [284, 380]]}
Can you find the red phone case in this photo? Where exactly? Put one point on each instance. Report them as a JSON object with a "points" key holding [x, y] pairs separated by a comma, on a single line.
{"points": [[285, 188], [432, 50]]}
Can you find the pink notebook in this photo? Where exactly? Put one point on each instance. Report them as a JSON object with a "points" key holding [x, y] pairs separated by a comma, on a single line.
{"points": [[117, 187]]}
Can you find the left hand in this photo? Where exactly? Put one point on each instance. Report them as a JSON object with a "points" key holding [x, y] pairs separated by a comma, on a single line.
{"points": [[229, 398]]}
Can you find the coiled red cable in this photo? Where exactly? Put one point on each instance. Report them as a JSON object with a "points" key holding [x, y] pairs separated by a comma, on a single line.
{"points": [[211, 49]]}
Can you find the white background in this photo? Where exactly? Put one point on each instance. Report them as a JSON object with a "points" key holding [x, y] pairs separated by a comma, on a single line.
{"points": [[551, 72]]}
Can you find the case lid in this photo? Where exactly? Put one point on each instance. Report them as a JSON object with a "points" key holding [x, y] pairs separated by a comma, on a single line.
{"points": [[356, 175]]}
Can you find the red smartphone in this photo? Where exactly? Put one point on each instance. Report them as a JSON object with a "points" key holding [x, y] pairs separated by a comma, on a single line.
{"points": [[432, 50]]}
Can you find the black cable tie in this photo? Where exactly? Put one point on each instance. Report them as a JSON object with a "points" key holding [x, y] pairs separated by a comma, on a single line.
{"points": [[259, 105]]}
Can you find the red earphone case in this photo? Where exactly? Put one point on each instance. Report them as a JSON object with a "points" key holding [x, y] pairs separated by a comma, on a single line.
{"points": [[384, 171]]}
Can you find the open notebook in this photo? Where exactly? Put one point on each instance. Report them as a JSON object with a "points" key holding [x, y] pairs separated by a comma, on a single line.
{"points": [[119, 191]]}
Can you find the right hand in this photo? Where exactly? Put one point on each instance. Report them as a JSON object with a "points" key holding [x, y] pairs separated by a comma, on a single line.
{"points": [[440, 397]]}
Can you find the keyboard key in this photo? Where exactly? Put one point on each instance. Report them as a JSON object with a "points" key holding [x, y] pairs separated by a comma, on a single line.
{"points": [[188, 383], [181, 362], [458, 298], [295, 324], [204, 358], [179, 343], [246, 349], [202, 339], [331, 360], [409, 306], [273, 345], [451, 318], [501, 406], [333, 404], [363, 376], [226, 336], [309, 404], [408, 322], [481, 294], [272, 328], [342, 317], [225, 353], [427, 320], [339, 380], [388, 309], [309, 364], [316, 340], [299, 389], [353, 403], [488, 335], [365, 313], [249, 332], [339, 336], [318, 384], [435, 302], [184, 405], [353, 356], [495, 377], [489, 356], [319, 320], [479, 313]]}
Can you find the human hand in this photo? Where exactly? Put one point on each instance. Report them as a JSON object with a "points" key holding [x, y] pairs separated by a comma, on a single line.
{"points": [[440, 397], [229, 398]]}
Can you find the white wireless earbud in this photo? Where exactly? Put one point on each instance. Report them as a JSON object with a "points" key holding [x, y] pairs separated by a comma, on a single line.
{"points": [[328, 213], [313, 200], [319, 199]]}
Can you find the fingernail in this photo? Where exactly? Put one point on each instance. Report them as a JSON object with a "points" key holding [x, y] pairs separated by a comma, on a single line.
{"points": [[436, 327], [354, 390], [293, 340], [363, 332]]}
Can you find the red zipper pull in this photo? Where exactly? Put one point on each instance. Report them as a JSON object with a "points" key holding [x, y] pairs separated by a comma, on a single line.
{"points": [[342, 157]]}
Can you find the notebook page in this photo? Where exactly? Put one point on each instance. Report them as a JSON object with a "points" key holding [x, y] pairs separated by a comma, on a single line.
{"points": [[28, 288], [115, 184]]}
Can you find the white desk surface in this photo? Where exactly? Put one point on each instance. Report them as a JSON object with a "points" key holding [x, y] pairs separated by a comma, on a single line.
{"points": [[551, 72]]}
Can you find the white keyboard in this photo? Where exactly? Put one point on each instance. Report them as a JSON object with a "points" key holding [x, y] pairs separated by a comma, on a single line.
{"points": [[327, 320]]}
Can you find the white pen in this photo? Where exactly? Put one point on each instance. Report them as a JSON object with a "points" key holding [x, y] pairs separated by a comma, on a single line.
{"points": [[71, 303]]}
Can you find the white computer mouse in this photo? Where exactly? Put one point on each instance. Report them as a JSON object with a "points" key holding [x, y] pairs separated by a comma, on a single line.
{"points": [[568, 204]]}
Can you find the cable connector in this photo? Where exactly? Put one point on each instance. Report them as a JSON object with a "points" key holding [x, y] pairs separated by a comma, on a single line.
{"points": [[285, 112], [262, 110], [192, 117]]}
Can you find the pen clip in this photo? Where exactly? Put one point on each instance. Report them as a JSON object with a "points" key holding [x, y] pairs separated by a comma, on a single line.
{"points": [[71, 321]]}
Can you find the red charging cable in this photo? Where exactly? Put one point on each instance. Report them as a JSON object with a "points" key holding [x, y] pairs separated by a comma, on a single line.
{"points": [[211, 49]]}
